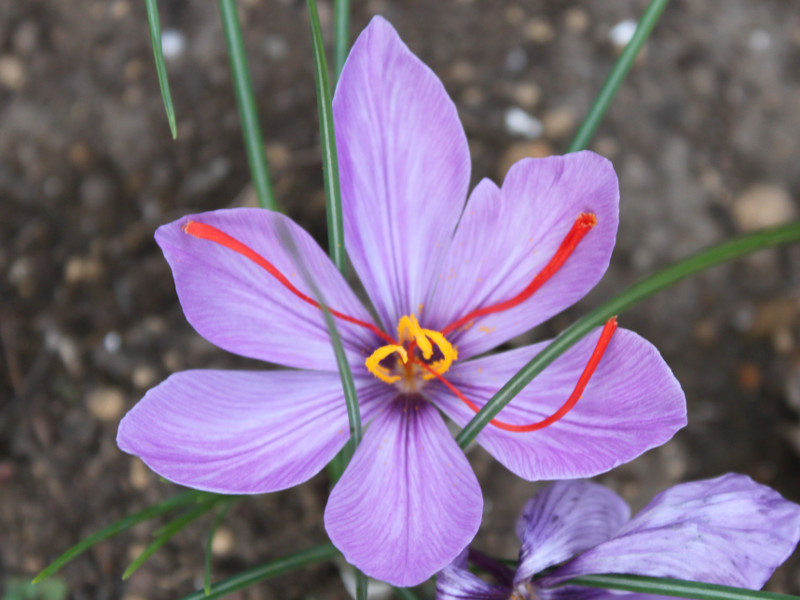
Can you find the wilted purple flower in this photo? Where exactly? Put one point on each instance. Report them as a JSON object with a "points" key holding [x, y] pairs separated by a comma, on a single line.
{"points": [[452, 282], [729, 530]]}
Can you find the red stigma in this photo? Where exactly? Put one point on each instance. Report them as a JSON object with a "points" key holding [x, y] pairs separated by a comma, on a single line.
{"points": [[580, 228], [594, 360], [212, 234]]}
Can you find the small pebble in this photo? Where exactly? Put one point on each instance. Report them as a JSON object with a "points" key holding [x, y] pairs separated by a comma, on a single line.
{"points": [[223, 543], [462, 71], [760, 40], [514, 14], [82, 269], [106, 403], [12, 72], [621, 33], [576, 20], [559, 122], [749, 376], [173, 43], [763, 205], [539, 31], [112, 342], [518, 122], [140, 476], [527, 95], [516, 60], [144, 377]]}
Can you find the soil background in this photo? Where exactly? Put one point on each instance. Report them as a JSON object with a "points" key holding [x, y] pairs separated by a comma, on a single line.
{"points": [[704, 134]]}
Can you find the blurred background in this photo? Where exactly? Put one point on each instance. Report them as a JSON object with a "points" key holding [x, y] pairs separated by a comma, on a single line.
{"points": [[704, 134]]}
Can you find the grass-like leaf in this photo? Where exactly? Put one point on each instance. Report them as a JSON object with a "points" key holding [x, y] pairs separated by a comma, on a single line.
{"points": [[164, 534], [271, 569], [246, 102], [151, 512], [341, 35], [405, 593], [675, 587], [330, 163], [161, 67], [220, 516], [617, 75], [726, 251]]}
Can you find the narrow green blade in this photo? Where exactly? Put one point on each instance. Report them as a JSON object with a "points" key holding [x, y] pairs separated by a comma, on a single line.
{"points": [[161, 67], [246, 102], [341, 39], [675, 587], [151, 512], [164, 534], [220, 516], [273, 568], [330, 164], [647, 287], [617, 75], [405, 593]]}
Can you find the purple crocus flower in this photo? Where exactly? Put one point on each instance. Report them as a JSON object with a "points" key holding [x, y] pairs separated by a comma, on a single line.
{"points": [[729, 531], [448, 283]]}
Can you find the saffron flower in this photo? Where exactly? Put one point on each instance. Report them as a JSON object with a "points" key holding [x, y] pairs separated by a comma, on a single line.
{"points": [[447, 283], [728, 531]]}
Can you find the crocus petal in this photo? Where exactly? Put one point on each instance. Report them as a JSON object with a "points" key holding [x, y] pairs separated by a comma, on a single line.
{"points": [[404, 167], [409, 502], [455, 582], [242, 432], [632, 403], [507, 236], [564, 519], [729, 530], [239, 306]]}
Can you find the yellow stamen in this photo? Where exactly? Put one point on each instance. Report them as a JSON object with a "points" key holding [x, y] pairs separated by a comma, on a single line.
{"points": [[373, 363], [449, 353], [408, 330]]}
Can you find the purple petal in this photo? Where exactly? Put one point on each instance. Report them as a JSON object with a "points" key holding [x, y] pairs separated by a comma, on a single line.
{"points": [[242, 432], [508, 235], [455, 582], [408, 503], [404, 166], [632, 403], [729, 530], [564, 519], [239, 306]]}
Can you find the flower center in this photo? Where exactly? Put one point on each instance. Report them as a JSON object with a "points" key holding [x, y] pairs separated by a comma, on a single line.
{"points": [[419, 355]]}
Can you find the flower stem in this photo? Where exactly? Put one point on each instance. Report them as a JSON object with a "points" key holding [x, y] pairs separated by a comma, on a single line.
{"points": [[713, 256], [617, 75], [245, 101]]}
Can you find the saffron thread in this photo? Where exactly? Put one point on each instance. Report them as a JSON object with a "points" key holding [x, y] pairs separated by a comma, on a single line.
{"points": [[209, 232], [594, 360], [579, 229]]}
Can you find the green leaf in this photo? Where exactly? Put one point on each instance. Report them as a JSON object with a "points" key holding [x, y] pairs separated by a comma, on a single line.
{"points": [[341, 39], [220, 516], [330, 164], [164, 534], [647, 287], [273, 568], [405, 593], [157, 510], [161, 67], [246, 102], [361, 585], [617, 75], [674, 587]]}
